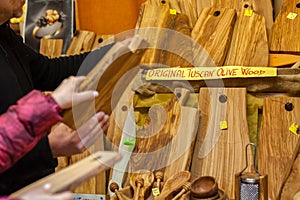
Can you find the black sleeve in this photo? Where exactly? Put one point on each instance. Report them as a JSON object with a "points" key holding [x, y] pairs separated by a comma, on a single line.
{"points": [[48, 73]]}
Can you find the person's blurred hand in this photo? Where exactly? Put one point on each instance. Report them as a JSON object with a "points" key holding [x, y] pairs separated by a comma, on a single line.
{"points": [[66, 94], [66, 142]]}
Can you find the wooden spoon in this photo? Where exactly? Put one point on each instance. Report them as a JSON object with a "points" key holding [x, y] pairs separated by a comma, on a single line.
{"points": [[174, 183], [141, 182], [204, 187]]}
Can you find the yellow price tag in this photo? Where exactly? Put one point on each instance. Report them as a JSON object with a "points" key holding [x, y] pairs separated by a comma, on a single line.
{"points": [[294, 129], [291, 15], [248, 12], [155, 192], [173, 12], [223, 125]]}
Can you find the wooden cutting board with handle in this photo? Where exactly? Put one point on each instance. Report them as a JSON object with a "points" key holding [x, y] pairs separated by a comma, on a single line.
{"points": [[213, 31], [285, 33], [277, 143], [222, 136], [182, 144], [249, 44]]}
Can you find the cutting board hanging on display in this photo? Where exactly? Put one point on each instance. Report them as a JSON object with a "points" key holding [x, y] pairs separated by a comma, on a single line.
{"points": [[285, 33], [213, 31], [291, 184], [263, 8], [249, 44], [182, 144], [278, 139], [222, 136]]}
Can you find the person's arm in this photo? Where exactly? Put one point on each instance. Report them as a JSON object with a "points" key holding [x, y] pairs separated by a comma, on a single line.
{"points": [[24, 124]]}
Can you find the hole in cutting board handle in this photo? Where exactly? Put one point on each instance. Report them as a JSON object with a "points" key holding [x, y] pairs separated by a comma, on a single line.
{"points": [[100, 40], [217, 13], [163, 2], [246, 6], [298, 5], [222, 98], [289, 106]]}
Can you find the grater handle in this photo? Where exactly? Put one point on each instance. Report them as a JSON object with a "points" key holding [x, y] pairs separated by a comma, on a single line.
{"points": [[254, 156]]}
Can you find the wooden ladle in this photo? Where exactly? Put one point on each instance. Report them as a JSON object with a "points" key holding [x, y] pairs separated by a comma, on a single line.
{"points": [[174, 183], [204, 187], [141, 182]]}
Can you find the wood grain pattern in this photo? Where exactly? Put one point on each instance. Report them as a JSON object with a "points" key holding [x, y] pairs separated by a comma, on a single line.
{"points": [[51, 47], [167, 34], [263, 8], [73, 175], [182, 144], [213, 31], [220, 153], [291, 183], [274, 155], [119, 60], [102, 40], [284, 36], [81, 42], [249, 44]]}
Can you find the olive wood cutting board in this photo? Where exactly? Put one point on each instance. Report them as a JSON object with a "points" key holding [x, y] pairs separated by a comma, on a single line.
{"points": [[285, 33], [263, 8], [291, 184], [81, 42], [182, 144], [277, 143], [51, 47], [222, 136], [249, 44], [213, 31], [168, 36]]}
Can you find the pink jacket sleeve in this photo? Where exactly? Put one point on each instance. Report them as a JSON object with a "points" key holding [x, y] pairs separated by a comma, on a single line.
{"points": [[24, 124]]}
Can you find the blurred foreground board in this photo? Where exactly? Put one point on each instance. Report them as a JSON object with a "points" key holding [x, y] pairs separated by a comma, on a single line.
{"points": [[70, 177], [123, 58]]}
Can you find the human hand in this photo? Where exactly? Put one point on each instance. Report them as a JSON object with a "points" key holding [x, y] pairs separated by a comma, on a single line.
{"points": [[66, 142], [41, 193], [66, 94]]}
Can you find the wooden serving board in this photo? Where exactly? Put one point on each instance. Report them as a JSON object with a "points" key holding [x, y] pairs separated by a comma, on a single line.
{"points": [[249, 44], [167, 35], [213, 31], [291, 184], [221, 152], [81, 42], [182, 144], [285, 33], [276, 143], [51, 47]]}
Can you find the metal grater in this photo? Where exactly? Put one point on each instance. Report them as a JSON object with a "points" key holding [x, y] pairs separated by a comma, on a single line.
{"points": [[251, 186]]}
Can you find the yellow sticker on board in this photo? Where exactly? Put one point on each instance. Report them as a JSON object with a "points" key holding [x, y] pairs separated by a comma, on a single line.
{"points": [[294, 129], [223, 125], [291, 15], [248, 12], [155, 192], [173, 12]]}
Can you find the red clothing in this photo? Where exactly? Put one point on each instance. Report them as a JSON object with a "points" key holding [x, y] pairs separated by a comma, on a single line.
{"points": [[24, 124]]}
